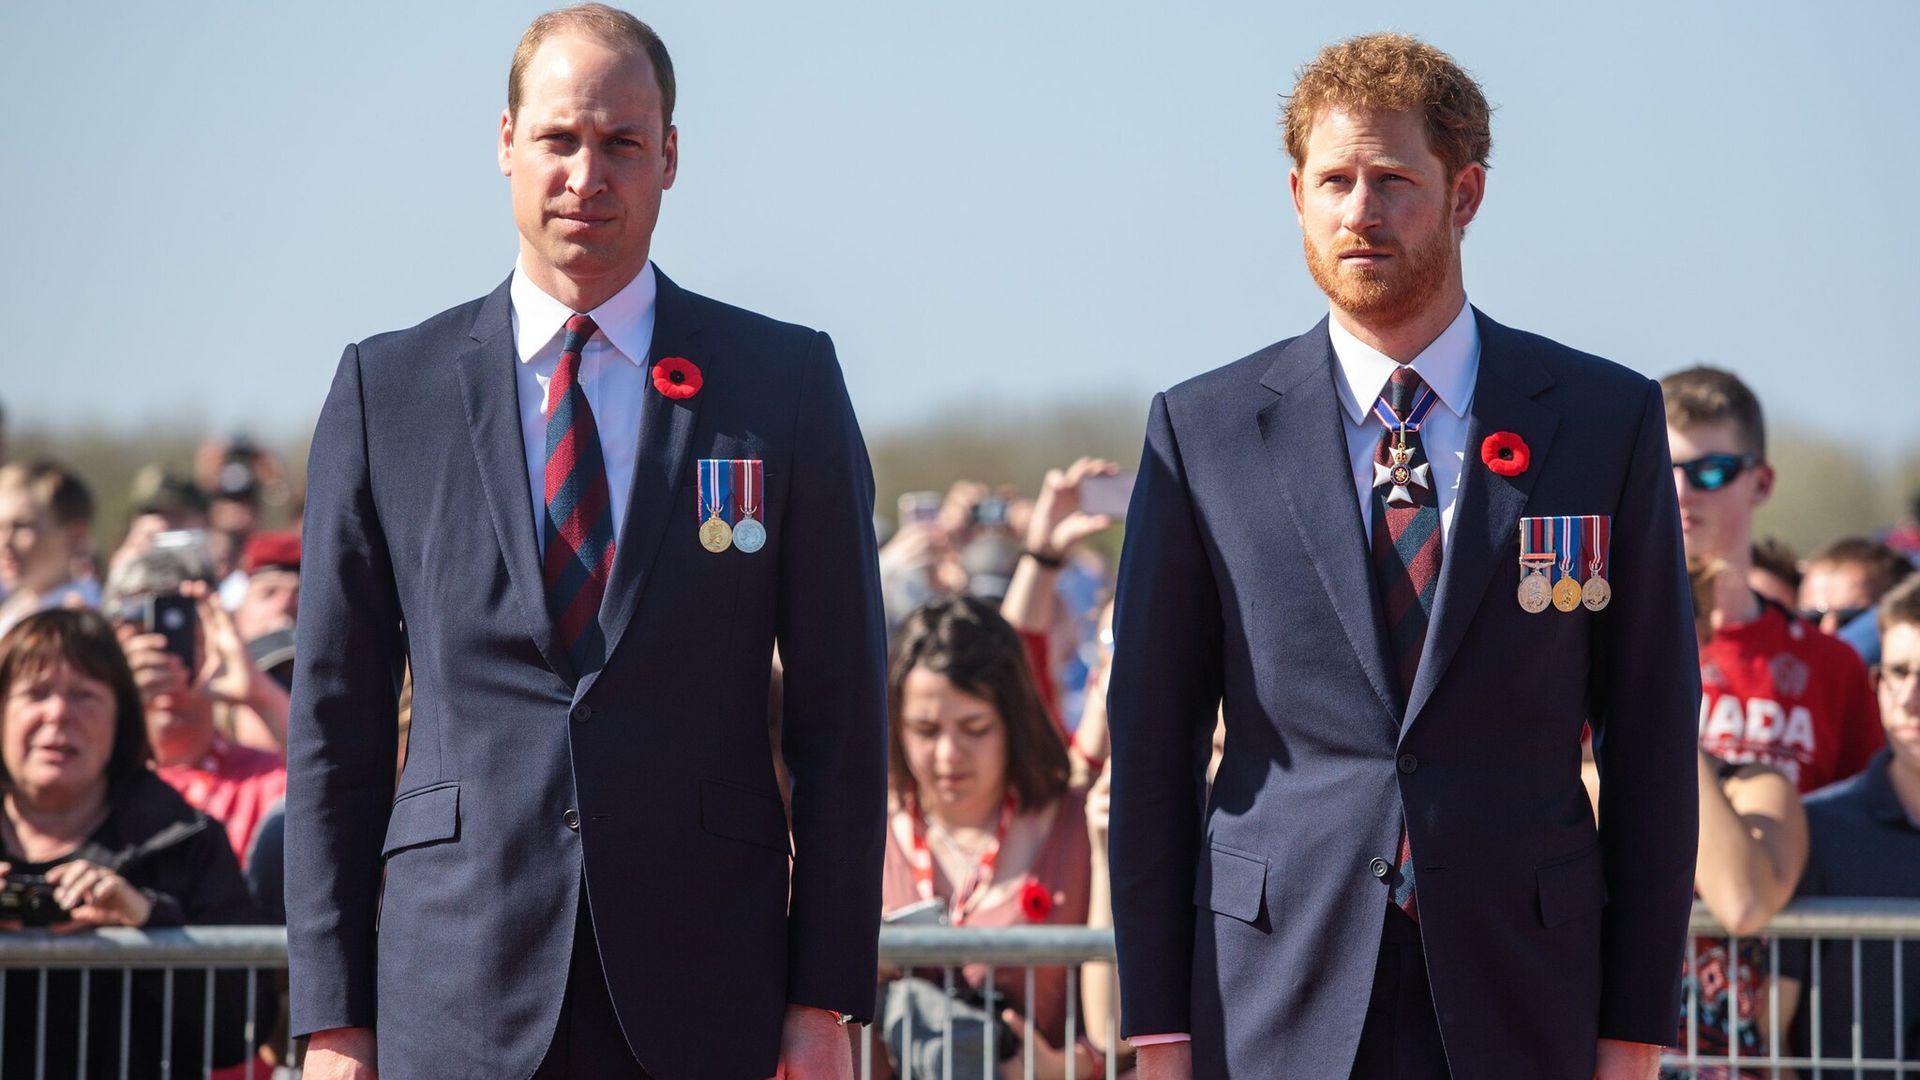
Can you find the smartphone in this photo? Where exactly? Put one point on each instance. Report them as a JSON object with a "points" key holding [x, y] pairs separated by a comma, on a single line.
{"points": [[924, 913], [990, 512], [175, 618], [28, 898], [1107, 495], [920, 507]]}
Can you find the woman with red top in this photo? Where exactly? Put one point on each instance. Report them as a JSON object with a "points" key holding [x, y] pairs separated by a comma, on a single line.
{"points": [[984, 827]]}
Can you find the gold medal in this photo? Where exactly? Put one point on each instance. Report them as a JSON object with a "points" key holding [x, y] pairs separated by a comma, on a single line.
{"points": [[1597, 594], [1566, 595], [1535, 593], [716, 535]]}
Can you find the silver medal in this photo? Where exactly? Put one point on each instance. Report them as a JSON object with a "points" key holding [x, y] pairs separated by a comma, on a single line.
{"points": [[749, 535]]}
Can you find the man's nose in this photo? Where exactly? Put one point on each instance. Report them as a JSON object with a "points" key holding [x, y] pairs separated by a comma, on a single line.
{"points": [[586, 173], [1360, 212]]}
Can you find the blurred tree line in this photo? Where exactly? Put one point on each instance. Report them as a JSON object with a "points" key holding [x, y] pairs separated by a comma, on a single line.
{"points": [[1828, 487]]}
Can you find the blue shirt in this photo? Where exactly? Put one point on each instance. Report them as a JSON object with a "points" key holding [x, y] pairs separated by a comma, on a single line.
{"points": [[1862, 843]]}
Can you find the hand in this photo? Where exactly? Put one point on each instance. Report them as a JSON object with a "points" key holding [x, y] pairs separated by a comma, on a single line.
{"points": [[956, 511], [1057, 524], [96, 896], [1617, 1060], [1164, 1061], [7, 926], [813, 1046], [341, 1054], [157, 672], [1049, 1061], [226, 669], [1100, 808]]}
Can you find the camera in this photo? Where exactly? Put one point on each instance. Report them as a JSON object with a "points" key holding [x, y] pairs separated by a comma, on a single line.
{"points": [[28, 898]]}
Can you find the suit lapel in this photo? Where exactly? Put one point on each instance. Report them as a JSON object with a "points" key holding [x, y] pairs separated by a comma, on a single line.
{"points": [[489, 389], [1307, 450], [1490, 505], [660, 463]]}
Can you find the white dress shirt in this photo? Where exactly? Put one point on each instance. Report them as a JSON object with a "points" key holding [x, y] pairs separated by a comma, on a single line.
{"points": [[1449, 365], [613, 375]]}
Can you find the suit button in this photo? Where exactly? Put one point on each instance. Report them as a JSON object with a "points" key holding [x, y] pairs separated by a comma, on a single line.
{"points": [[1379, 867], [572, 818], [1408, 763], [582, 713]]}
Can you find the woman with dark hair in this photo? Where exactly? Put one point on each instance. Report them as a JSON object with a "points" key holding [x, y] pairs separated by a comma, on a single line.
{"points": [[984, 829], [90, 837]]}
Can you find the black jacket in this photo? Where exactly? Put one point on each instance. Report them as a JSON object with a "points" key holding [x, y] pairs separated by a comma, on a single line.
{"points": [[183, 863]]}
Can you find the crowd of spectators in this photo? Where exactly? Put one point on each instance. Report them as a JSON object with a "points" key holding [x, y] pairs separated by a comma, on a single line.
{"points": [[146, 698]]}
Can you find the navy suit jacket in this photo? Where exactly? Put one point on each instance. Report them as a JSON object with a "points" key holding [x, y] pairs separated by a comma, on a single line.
{"points": [[1252, 919], [441, 912]]}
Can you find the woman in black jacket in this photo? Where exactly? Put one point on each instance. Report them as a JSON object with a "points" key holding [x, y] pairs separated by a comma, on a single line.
{"points": [[89, 837]]}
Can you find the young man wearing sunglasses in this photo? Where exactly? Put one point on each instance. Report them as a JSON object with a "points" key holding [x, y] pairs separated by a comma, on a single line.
{"points": [[1775, 690]]}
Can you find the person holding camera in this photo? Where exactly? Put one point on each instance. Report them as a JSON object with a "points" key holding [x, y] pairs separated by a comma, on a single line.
{"points": [[190, 665], [983, 831], [90, 837]]}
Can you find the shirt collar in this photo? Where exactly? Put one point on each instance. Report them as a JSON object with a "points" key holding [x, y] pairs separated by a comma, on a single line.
{"points": [[1449, 364], [625, 320], [1882, 801]]}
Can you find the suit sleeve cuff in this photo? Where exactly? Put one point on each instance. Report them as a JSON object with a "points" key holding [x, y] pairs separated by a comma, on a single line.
{"points": [[1160, 1040]]}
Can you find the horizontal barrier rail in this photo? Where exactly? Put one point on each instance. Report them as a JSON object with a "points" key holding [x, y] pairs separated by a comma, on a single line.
{"points": [[1830, 923]]}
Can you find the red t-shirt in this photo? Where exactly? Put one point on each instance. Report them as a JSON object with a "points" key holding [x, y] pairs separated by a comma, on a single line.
{"points": [[234, 785], [1779, 692]]}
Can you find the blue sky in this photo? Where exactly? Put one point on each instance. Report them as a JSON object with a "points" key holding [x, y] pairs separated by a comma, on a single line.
{"points": [[200, 203]]}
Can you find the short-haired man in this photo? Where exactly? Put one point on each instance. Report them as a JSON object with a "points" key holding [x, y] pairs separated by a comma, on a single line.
{"points": [[582, 510], [1775, 689], [1845, 579], [1411, 552], [1864, 838]]}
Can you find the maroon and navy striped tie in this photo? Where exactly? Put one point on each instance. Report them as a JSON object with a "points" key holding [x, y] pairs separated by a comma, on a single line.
{"points": [[1406, 564], [579, 519]]}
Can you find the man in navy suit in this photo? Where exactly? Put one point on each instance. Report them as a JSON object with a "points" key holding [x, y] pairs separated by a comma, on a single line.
{"points": [[1409, 554], [583, 509]]}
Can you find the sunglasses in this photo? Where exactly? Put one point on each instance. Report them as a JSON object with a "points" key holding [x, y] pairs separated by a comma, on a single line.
{"points": [[1843, 615], [1711, 472]]}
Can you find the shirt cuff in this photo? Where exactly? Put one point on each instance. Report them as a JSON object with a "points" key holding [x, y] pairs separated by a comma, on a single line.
{"points": [[1160, 1040]]}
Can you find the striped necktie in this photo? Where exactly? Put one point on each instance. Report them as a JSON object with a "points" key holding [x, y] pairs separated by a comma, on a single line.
{"points": [[1406, 552], [579, 519]]}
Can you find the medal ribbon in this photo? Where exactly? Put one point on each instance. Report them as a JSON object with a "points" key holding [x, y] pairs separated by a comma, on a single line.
{"points": [[1600, 545], [747, 476], [1416, 416], [716, 499], [977, 880], [1569, 548], [1536, 542]]}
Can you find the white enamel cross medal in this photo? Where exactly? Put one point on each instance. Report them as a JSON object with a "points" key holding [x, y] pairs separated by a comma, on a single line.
{"points": [[1402, 475]]}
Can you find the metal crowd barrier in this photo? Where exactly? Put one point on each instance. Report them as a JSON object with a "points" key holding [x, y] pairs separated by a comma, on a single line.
{"points": [[1848, 924], [1823, 923]]}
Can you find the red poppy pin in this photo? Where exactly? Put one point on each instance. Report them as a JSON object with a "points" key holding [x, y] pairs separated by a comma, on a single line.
{"points": [[1036, 902], [676, 377], [1505, 453]]}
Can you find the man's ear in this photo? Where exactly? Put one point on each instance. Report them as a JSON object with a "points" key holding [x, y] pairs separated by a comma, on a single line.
{"points": [[1763, 475], [1468, 189], [670, 149], [1293, 186], [504, 151]]}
